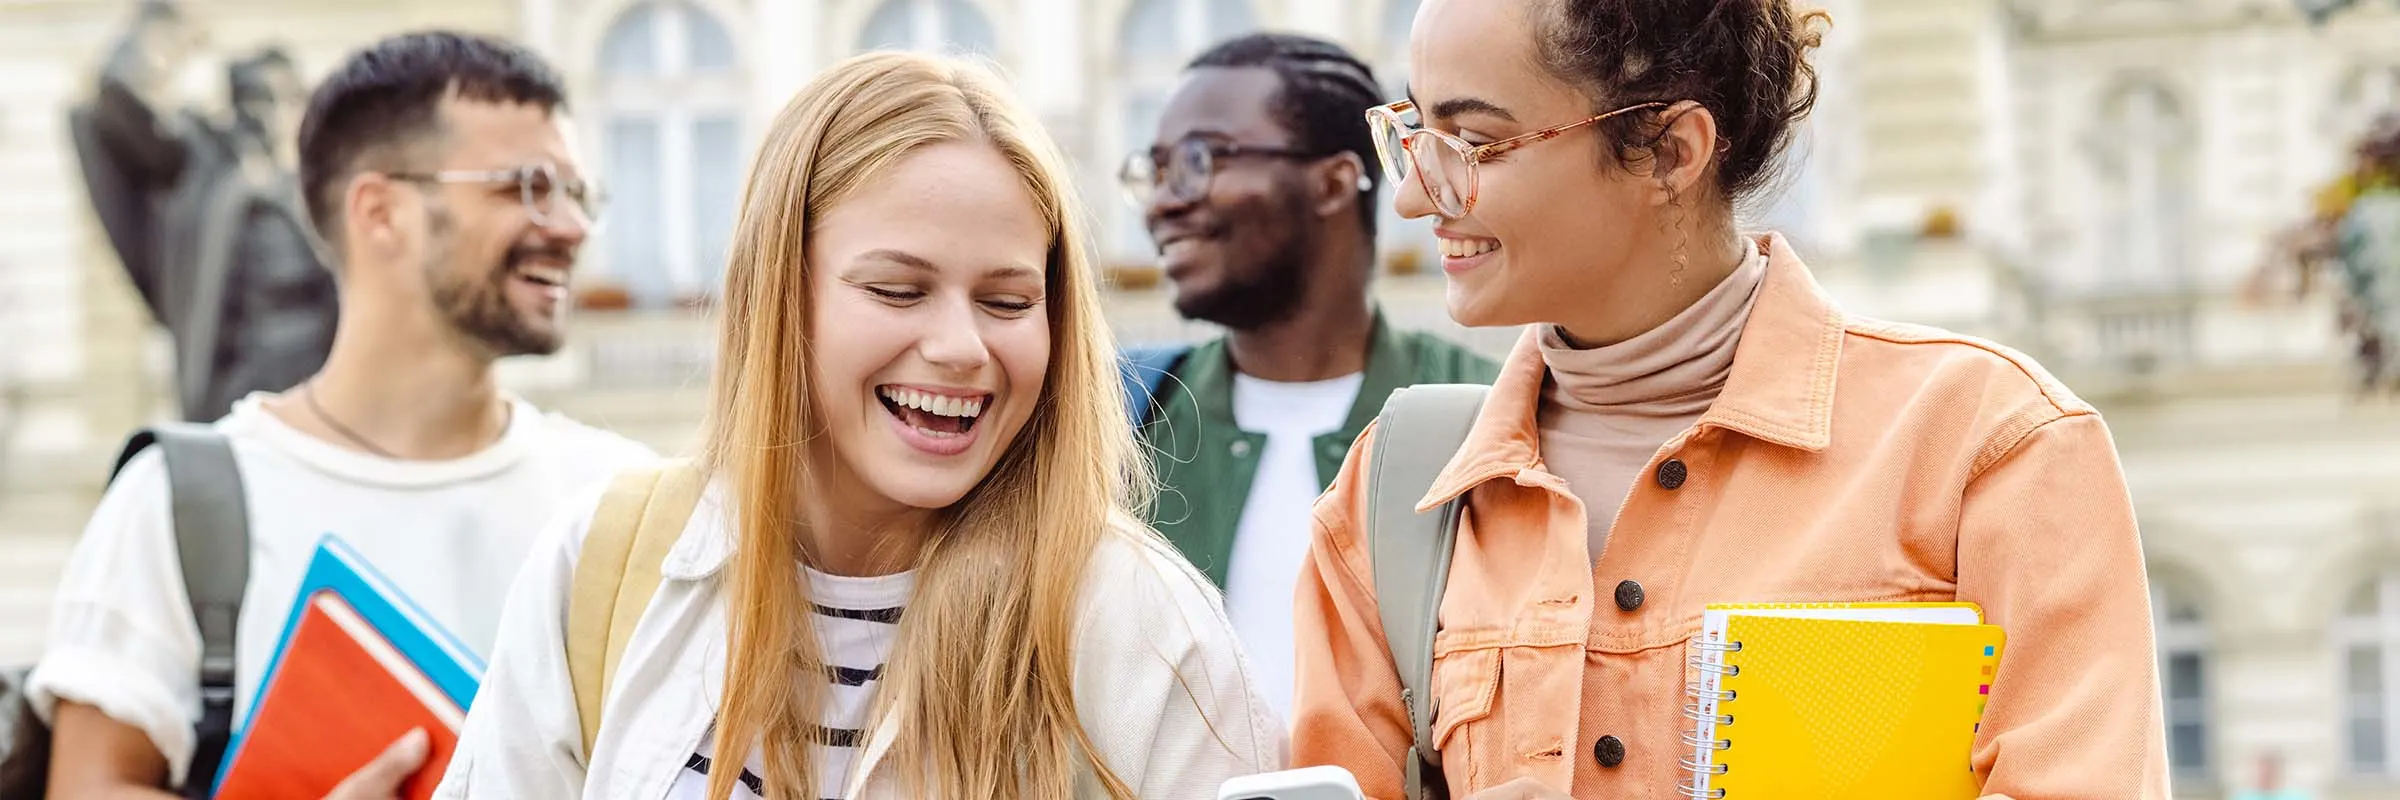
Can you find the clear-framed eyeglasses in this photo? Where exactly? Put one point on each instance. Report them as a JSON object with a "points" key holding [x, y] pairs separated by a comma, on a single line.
{"points": [[539, 187], [1185, 167], [1443, 163]]}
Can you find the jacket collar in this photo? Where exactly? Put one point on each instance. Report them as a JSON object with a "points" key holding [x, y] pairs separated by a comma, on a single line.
{"points": [[707, 540], [1780, 390], [1208, 375]]}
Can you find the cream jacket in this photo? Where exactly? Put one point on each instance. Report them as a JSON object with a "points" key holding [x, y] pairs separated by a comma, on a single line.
{"points": [[1160, 683]]}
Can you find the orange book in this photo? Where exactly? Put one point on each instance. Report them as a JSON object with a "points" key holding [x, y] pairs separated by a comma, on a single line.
{"points": [[357, 669]]}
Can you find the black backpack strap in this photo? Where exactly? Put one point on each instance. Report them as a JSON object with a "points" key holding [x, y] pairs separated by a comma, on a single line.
{"points": [[24, 742], [212, 540]]}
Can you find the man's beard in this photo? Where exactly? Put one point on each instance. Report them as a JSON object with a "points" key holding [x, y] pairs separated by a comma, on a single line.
{"points": [[477, 306], [1273, 292]]}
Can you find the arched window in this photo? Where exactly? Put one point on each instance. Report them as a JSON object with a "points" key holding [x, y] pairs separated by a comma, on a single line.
{"points": [[2367, 644], [2184, 668], [1157, 38], [2145, 161], [930, 26], [671, 102]]}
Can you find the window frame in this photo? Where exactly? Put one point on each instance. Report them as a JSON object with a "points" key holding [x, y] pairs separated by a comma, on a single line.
{"points": [[675, 95], [2146, 185], [932, 27], [2380, 632], [2193, 638]]}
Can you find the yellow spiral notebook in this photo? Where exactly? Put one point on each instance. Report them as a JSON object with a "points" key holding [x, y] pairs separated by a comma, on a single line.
{"points": [[1866, 700]]}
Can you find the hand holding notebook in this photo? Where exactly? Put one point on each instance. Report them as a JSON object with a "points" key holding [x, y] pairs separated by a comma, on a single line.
{"points": [[360, 672], [1839, 700], [381, 778]]}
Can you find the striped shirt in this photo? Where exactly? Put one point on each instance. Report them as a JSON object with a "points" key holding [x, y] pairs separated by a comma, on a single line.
{"points": [[857, 619]]}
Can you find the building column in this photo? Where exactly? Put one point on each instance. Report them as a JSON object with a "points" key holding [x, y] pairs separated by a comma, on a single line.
{"points": [[537, 26], [1313, 17], [1050, 67], [119, 390], [786, 44], [1049, 55]]}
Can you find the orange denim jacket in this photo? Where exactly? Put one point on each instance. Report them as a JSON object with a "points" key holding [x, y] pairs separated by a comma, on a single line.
{"points": [[1846, 460]]}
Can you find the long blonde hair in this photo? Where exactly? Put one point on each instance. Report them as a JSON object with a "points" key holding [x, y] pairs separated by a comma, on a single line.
{"points": [[980, 678]]}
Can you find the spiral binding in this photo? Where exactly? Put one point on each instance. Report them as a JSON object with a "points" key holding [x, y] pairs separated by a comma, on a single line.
{"points": [[1705, 710]]}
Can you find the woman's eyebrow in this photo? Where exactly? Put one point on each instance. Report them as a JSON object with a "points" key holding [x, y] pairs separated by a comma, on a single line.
{"points": [[1450, 109]]}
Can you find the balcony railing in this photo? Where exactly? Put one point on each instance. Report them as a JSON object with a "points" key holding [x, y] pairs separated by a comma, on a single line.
{"points": [[2139, 332], [2098, 339]]}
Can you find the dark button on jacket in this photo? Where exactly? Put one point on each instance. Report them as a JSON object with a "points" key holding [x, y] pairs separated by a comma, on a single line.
{"points": [[1629, 595], [1672, 473], [1609, 751]]}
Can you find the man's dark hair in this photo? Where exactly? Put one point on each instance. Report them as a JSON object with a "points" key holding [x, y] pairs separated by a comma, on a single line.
{"points": [[382, 105], [1322, 103]]}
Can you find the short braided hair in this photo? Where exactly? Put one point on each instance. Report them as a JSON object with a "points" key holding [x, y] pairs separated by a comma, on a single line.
{"points": [[1323, 101]]}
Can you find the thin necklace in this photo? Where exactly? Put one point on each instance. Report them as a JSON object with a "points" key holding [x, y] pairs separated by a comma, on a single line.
{"points": [[308, 392]]}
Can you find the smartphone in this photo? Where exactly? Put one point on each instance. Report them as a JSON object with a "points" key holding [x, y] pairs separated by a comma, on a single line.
{"points": [[1313, 783]]}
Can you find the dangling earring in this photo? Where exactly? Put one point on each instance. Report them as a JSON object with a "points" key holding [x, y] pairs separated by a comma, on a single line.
{"points": [[1683, 240]]}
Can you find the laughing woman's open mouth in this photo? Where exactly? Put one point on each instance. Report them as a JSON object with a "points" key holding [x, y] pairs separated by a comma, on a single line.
{"points": [[937, 421]]}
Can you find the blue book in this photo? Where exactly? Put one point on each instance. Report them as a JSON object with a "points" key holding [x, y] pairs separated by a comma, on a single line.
{"points": [[358, 664]]}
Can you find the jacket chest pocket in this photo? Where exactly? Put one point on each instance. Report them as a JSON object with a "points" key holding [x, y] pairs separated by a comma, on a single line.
{"points": [[1464, 685]]}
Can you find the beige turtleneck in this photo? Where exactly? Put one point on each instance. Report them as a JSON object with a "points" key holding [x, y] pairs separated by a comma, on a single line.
{"points": [[1606, 410]]}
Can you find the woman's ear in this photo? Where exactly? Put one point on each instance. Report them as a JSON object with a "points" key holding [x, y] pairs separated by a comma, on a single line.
{"points": [[1685, 151]]}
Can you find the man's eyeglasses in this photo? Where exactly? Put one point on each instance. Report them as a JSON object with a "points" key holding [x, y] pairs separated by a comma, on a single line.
{"points": [[1185, 167], [1444, 164], [538, 186]]}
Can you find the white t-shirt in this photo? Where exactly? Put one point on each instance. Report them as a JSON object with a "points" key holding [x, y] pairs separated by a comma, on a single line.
{"points": [[451, 534], [1272, 540], [857, 621]]}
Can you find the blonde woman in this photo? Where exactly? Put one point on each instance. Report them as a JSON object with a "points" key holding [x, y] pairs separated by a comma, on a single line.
{"points": [[911, 572]]}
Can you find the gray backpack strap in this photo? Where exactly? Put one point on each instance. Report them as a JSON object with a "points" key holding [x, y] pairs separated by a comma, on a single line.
{"points": [[1418, 433], [212, 540]]}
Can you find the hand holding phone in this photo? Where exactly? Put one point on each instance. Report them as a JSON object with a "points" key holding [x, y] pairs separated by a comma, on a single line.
{"points": [[1312, 783]]}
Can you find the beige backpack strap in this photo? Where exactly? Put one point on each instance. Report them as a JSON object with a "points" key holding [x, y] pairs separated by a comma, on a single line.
{"points": [[639, 518], [1411, 552]]}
